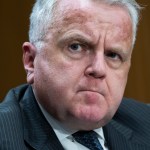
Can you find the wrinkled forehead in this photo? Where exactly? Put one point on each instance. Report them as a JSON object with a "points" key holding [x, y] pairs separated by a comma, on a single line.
{"points": [[83, 10]]}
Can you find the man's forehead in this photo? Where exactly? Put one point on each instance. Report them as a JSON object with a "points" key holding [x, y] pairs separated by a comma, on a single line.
{"points": [[71, 8], [99, 16], [78, 14]]}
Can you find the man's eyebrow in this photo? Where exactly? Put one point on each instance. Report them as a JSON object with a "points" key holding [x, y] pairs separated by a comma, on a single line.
{"points": [[84, 38]]}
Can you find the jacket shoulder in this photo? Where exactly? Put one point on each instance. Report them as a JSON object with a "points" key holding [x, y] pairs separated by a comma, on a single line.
{"points": [[135, 109], [10, 106], [135, 116], [132, 111], [11, 122]]}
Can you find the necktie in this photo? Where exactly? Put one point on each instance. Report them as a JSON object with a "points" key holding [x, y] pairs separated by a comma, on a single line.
{"points": [[88, 139]]}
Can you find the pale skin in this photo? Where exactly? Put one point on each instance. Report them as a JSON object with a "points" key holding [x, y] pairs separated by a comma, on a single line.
{"points": [[80, 74]]}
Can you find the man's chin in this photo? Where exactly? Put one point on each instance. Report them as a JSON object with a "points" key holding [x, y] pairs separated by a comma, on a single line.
{"points": [[87, 125], [89, 122]]}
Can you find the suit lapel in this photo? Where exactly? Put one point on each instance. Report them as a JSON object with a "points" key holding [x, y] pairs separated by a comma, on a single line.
{"points": [[117, 136], [125, 131], [38, 134]]}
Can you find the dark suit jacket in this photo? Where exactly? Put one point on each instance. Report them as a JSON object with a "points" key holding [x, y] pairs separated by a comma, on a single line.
{"points": [[23, 126]]}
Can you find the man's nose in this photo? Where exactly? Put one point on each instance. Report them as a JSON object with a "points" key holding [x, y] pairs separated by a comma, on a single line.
{"points": [[97, 66]]}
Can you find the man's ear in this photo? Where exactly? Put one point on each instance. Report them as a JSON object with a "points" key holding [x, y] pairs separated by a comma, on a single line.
{"points": [[29, 53]]}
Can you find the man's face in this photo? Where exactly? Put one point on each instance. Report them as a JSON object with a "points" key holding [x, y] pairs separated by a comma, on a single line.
{"points": [[81, 73]]}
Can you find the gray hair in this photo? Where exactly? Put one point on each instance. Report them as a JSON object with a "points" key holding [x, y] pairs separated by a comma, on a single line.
{"points": [[43, 13]]}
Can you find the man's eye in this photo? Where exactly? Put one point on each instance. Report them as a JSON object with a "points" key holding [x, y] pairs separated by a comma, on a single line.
{"points": [[114, 59], [113, 55], [75, 47]]}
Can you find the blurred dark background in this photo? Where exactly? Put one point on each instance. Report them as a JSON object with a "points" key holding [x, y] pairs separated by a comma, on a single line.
{"points": [[14, 24]]}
